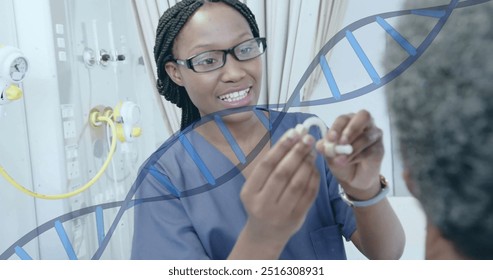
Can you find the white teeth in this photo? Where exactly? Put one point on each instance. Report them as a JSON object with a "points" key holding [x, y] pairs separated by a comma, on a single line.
{"points": [[235, 96]]}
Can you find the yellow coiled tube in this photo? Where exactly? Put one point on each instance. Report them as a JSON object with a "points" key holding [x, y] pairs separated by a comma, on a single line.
{"points": [[104, 118]]}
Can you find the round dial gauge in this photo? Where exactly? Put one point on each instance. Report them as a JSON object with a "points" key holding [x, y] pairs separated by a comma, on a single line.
{"points": [[18, 69], [13, 64]]}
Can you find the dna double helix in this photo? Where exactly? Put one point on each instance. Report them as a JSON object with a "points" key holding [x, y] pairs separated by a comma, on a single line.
{"points": [[440, 13]]}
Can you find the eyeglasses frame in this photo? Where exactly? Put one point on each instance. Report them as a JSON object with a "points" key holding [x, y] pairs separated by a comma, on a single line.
{"points": [[188, 62]]}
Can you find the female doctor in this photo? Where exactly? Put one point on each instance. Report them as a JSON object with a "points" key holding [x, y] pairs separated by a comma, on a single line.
{"points": [[284, 203]]}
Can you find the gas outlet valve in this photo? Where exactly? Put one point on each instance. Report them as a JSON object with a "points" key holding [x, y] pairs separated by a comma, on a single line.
{"points": [[127, 117]]}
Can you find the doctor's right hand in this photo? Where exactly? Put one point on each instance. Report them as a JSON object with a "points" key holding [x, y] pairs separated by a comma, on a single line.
{"points": [[281, 189]]}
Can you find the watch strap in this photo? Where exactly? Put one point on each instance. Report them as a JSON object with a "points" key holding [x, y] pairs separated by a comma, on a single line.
{"points": [[384, 190]]}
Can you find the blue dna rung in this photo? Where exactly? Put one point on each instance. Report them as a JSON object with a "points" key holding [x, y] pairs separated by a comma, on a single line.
{"points": [[362, 57], [440, 13], [410, 49], [330, 77]]}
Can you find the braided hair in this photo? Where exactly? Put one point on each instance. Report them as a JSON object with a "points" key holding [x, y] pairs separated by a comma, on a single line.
{"points": [[170, 24]]}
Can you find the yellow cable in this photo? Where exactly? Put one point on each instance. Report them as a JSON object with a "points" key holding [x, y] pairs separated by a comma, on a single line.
{"points": [[96, 177]]}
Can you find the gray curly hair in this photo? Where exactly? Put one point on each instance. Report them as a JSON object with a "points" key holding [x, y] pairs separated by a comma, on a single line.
{"points": [[442, 111]]}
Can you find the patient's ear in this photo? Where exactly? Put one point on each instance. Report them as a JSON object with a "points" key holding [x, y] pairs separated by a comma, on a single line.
{"points": [[174, 72], [411, 186]]}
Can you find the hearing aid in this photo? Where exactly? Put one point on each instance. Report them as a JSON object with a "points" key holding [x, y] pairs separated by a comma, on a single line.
{"points": [[330, 149]]}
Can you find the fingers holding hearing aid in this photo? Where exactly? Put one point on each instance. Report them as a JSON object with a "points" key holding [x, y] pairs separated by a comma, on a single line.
{"points": [[365, 139], [284, 163], [282, 187], [348, 135]]}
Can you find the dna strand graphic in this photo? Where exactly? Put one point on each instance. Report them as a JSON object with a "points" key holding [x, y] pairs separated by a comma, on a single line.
{"points": [[440, 13]]}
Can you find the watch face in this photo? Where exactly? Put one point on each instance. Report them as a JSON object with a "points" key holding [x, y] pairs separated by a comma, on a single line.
{"points": [[18, 69]]}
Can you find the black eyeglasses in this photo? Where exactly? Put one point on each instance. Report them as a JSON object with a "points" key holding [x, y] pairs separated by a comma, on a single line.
{"points": [[212, 60]]}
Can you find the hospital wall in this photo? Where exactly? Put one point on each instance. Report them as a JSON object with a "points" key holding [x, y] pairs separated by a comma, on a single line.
{"points": [[49, 146]]}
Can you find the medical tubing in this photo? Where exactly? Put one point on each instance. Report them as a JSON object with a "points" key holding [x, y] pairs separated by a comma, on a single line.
{"points": [[91, 182]]}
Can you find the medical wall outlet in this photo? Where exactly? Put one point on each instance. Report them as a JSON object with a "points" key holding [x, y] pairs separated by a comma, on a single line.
{"points": [[127, 117], [89, 57], [104, 57], [9, 92]]}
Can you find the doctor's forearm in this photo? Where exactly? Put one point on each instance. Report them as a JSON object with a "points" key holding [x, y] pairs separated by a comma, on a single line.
{"points": [[379, 232]]}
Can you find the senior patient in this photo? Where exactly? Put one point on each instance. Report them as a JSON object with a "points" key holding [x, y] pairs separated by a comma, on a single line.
{"points": [[442, 110]]}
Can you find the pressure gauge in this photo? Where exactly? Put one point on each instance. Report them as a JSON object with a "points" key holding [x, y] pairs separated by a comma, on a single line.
{"points": [[13, 64]]}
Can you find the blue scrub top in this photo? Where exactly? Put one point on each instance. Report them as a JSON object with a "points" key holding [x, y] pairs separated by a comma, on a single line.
{"points": [[188, 203]]}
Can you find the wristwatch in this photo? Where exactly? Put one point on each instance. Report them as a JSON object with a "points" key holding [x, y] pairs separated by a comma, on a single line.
{"points": [[384, 190]]}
